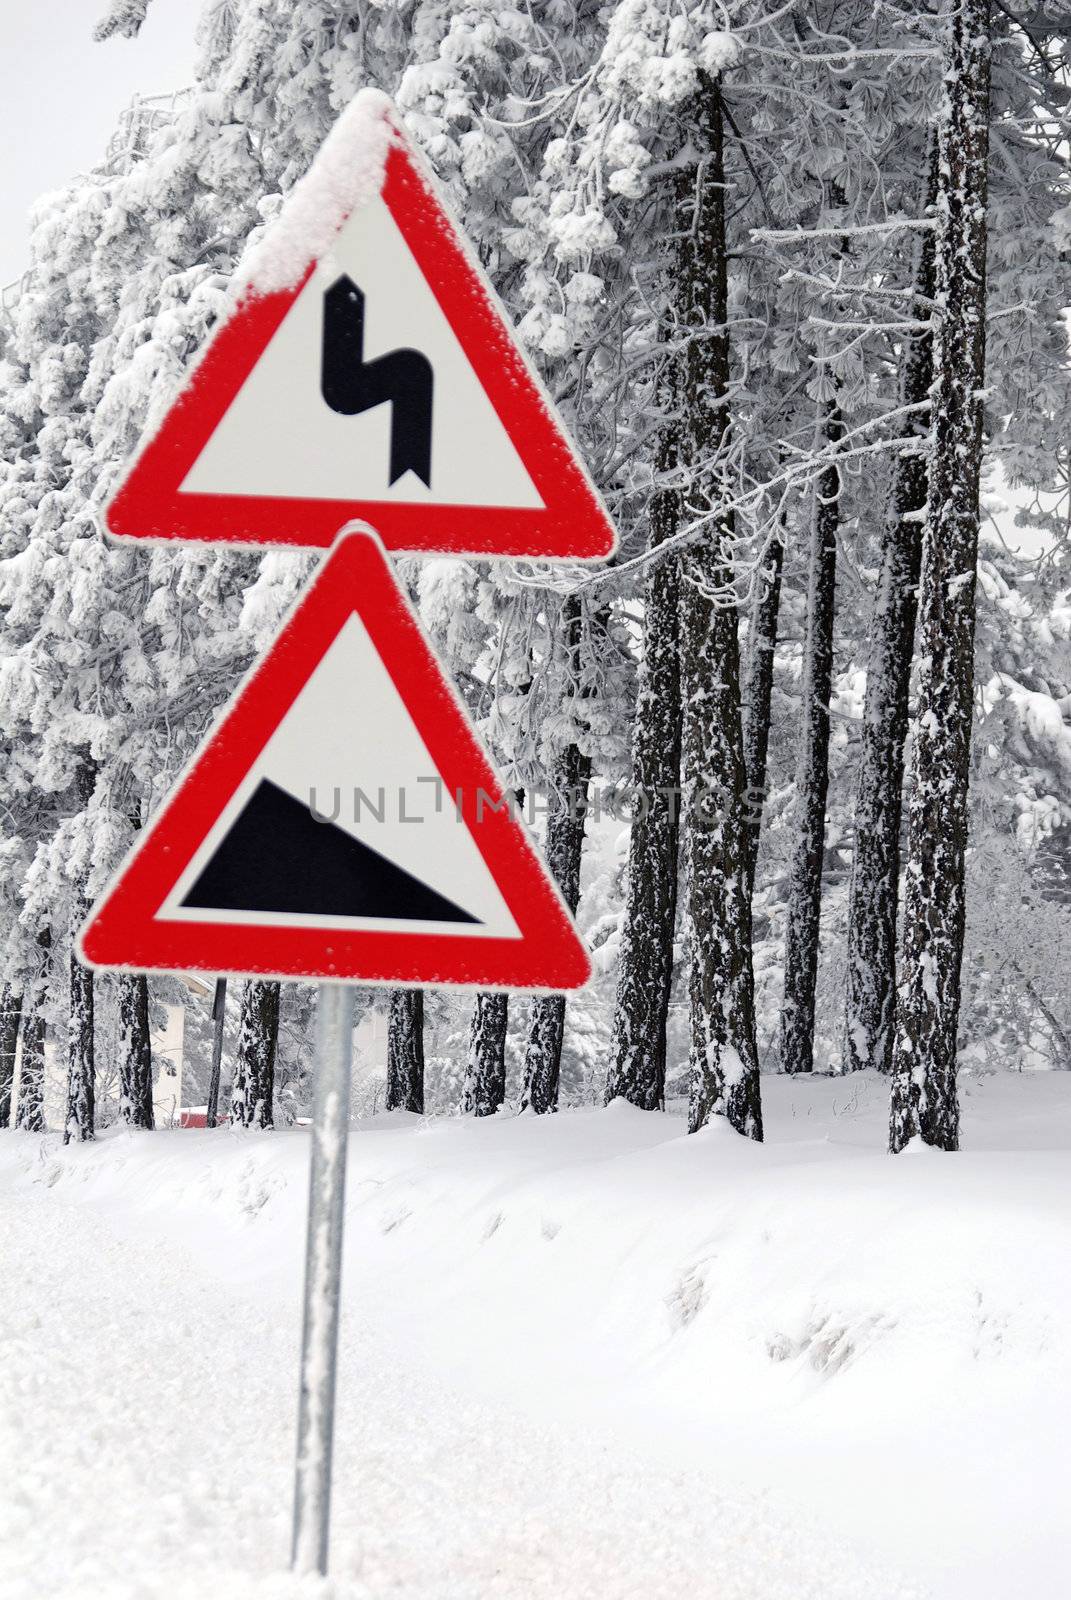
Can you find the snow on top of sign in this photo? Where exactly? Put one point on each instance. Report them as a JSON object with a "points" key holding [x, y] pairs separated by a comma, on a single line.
{"points": [[347, 173]]}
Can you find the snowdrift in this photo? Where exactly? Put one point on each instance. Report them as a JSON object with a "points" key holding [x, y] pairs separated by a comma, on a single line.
{"points": [[880, 1344]]}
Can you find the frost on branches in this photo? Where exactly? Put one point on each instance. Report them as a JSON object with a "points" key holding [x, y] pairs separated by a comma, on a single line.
{"points": [[796, 282]]}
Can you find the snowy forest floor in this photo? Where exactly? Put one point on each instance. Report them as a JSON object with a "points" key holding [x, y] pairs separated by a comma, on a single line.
{"points": [[581, 1356]]}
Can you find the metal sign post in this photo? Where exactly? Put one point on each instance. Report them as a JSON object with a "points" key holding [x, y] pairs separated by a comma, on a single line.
{"points": [[323, 1273], [241, 871]]}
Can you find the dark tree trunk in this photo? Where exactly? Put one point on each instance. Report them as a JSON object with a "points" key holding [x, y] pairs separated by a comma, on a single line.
{"points": [[485, 1073], [924, 1094], [724, 1058], [253, 1090], [405, 1051], [812, 774], [870, 999], [758, 694], [219, 1020], [563, 852], [10, 1018], [30, 1112], [645, 974], [135, 1052], [79, 1123], [484, 1090]]}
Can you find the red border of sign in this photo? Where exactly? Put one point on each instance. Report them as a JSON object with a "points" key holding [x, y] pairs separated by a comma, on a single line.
{"points": [[123, 930], [573, 523]]}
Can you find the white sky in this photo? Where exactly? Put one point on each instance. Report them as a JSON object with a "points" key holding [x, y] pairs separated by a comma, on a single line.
{"points": [[61, 95]]}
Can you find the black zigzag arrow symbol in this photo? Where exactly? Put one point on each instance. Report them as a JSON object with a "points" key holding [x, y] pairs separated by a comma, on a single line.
{"points": [[350, 384]]}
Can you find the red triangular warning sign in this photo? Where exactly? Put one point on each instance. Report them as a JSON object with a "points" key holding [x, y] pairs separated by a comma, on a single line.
{"points": [[367, 370], [341, 822]]}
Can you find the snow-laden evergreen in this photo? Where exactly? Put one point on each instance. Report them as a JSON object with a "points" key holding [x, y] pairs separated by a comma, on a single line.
{"points": [[747, 371]]}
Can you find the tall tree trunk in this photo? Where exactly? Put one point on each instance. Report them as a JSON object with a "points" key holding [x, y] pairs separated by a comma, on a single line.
{"points": [[10, 1018], [645, 974], [135, 1052], [870, 999], [812, 773], [757, 693], [563, 851], [485, 1073], [30, 1111], [219, 1022], [405, 1051], [484, 1089], [924, 1094], [723, 1059], [253, 1090], [79, 1123]]}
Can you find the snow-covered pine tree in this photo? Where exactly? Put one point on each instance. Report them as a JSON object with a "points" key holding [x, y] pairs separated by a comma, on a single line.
{"points": [[870, 999], [724, 1057], [645, 970], [924, 1096], [639, 139], [812, 766]]}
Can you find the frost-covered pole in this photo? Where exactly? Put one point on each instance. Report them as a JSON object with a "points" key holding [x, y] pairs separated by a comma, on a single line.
{"points": [[924, 1098], [323, 1272]]}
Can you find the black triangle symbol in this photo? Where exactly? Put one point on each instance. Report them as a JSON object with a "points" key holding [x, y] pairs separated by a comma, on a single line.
{"points": [[277, 857]]}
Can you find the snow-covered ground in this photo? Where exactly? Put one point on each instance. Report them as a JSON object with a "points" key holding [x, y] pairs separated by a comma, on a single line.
{"points": [[582, 1356]]}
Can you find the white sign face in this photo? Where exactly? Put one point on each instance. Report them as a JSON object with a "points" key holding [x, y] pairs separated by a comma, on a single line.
{"points": [[345, 773], [306, 449]]}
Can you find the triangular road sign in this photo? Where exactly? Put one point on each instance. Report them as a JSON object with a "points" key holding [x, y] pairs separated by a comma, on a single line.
{"points": [[366, 370], [341, 822]]}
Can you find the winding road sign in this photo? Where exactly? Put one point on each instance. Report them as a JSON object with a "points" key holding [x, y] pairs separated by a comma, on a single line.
{"points": [[365, 370]]}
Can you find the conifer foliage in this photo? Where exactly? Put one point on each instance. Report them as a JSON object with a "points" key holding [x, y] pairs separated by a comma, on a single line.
{"points": [[795, 277]]}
